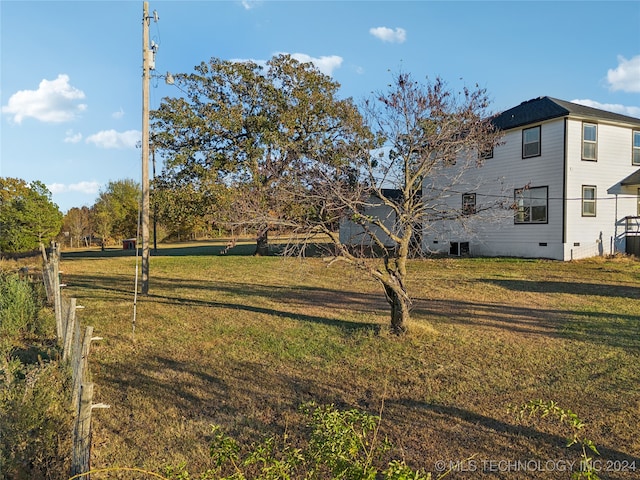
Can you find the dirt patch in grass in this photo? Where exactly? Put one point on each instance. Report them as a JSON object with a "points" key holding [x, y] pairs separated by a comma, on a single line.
{"points": [[242, 342]]}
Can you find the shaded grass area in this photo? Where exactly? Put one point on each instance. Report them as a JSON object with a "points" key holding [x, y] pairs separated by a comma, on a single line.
{"points": [[242, 342]]}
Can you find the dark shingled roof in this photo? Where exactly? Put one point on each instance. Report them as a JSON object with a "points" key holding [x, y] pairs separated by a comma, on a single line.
{"points": [[547, 108]]}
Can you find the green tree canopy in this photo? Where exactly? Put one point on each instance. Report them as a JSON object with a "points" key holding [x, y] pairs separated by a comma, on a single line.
{"points": [[27, 215], [115, 213], [254, 129]]}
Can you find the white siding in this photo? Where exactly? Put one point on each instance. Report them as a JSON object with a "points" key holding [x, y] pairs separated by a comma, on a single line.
{"points": [[613, 164], [495, 233], [354, 234], [560, 168]]}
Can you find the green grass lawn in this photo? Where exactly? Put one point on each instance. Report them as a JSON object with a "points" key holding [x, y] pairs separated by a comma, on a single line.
{"points": [[242, 342]]}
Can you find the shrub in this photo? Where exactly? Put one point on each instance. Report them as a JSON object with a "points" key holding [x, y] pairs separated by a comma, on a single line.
{"points": [[342, 445], [35, 418], [35, 422], [18, 310]]}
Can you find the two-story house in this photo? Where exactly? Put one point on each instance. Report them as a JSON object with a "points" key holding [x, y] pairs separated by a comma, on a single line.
{"points": [[570, 178]]}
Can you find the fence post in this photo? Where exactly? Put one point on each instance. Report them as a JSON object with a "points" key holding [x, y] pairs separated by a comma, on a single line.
{"points": [[69, 326], [80, 366], [82, 433]]}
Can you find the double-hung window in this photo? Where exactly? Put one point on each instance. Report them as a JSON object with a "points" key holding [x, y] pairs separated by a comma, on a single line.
{"points": [[635, 159], [531, 205], [589, 141], [589, 201], [468, 203], [531, 142]]}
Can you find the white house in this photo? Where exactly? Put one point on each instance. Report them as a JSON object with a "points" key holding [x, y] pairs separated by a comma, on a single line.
{"points": [[356, 235], [571, 175]]}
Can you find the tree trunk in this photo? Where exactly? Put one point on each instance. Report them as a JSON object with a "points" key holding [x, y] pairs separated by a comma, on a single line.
{"points": [[399, 304], [262, 242]]}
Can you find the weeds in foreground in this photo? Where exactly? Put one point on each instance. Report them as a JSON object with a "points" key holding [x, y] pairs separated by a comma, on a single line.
{"points": [[342, 445], [542, 409], [35, 420]]}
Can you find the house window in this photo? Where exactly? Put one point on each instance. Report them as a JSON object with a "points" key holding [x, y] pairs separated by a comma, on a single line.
{"points": [[635, 160], [531, 142], [486, 154], [531, 205], [589, 141], [468, 203], [588, 201]]}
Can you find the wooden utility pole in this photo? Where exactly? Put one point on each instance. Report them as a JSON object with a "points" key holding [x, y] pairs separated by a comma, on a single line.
{"points": [[146, 60]]}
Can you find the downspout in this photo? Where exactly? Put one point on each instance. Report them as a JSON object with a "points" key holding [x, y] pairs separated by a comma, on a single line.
{"points": [[615, 229], [564, 186]]}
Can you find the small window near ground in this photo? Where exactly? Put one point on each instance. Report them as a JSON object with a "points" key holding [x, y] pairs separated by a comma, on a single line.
{"points": [[588, 201], [531, 205], [531, 142], [468, 203], [589, 141]]}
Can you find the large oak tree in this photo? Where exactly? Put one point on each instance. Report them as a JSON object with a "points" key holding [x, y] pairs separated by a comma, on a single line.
{"points": [[255, 127]]}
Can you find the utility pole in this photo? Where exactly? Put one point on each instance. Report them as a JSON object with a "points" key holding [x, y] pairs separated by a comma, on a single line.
{"points": [[147, 60]]}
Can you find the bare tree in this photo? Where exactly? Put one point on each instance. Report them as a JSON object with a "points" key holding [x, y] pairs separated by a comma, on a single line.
{"points": [[429, 142], [77, 222]]}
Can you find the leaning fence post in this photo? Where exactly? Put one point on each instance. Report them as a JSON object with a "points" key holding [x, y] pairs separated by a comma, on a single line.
{"points": [[82, 433]]}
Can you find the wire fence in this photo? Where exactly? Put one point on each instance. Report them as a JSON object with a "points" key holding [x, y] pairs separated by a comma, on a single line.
{"points": [[75, 345]]}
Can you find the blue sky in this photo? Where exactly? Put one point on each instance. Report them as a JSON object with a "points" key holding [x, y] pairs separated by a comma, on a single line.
{"points": [[70, 71]]}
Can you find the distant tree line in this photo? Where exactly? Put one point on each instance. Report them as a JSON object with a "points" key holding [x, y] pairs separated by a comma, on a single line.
{"points": [[113, 216], [28, 216]]}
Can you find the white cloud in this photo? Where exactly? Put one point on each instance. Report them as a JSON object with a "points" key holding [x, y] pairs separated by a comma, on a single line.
{"points": [[250, 4], [260, 63], [610, 107], [112, 139], [72, 137], [386, 34], [90, 188], [85, 187], [55, 101], [626, 76], [119, 114], [57, 187], [326, 64]]}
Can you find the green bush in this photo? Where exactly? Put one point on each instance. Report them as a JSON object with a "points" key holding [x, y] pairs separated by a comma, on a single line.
{"points": [[35, 418], [35, 422], [18, 310]]}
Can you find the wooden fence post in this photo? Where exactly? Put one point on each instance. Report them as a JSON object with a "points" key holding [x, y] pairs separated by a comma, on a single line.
{"points": [[57, 300], [80, 461], [69, 324], [80, 365]]}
